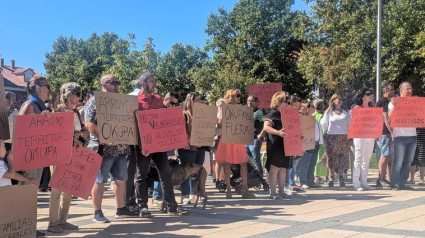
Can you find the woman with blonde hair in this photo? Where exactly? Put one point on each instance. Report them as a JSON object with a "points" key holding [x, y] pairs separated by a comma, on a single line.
{"points": [[336, 121], [228, 154], [277, 163]]}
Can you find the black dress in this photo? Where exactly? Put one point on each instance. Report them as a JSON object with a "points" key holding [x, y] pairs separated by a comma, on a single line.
{"points": [[275, 149], [419, 158]]}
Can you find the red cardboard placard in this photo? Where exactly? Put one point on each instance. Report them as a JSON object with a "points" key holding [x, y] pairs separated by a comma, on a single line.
{"points": [[77, 177], [366, 123], [41, 140], [408, 112], [264, 92], [292, 126], [162, 129]]}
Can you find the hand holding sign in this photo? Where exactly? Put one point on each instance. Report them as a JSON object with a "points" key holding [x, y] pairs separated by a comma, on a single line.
{"points": [[408, 112], [292, 125], [366, 123]]}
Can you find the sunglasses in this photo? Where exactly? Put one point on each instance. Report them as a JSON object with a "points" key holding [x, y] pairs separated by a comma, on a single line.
{"points": [[114, 83], [78, 94], [238, 95], [173, 103], [368, 94]]}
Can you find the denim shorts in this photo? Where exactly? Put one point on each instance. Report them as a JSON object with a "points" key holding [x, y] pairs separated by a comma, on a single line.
{"points": [[385, 145], [115, 167]]}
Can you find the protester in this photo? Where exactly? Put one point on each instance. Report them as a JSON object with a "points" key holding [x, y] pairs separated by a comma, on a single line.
{"points": [[277, 163], [336, 121], [320, 169], [193, 154], [171, 99], [419, 158], [405, 142], [308, 161], [7, 171], [38, 90], [114, 161], [385, 142], [11, 99], [149, 100], [228, 154], [363, 147], [293, 174], [255, 149], [60, 201], [217, 167]]}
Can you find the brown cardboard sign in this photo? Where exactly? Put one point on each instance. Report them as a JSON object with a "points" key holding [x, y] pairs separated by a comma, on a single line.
{"points": [[18, 211], [116, 119], [308, 124], [237, 124], [203, 125]]}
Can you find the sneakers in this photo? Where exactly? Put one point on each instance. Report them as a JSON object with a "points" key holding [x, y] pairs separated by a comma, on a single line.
{"points": [[421, 182], [410, 181], [407, 188], [177, 212], [358, 188], [331, 183], [55, 229], [40, 234], [99, 217], [186, 200], [385, 183], [305, 186], [124, 213], [145, 213], [395, 188], [367, 187], [69, 226]]}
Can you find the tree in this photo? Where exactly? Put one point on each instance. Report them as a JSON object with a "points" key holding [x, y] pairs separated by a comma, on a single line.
{"points": [[340, 54], [173, 69], [253, 43]]}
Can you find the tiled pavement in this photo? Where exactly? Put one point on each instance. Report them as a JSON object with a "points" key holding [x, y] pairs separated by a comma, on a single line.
{"points": [[337, 212]]}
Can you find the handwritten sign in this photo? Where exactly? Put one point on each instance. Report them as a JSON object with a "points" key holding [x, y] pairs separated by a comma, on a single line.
{"points": [[4, 113], [77, 177], [292, 126], [366, 123], [162, 129], [237, 124], [264, 92], [115, 118], [41, 140], [203, 125], [308, 125], [408, 112], [18, 211]]}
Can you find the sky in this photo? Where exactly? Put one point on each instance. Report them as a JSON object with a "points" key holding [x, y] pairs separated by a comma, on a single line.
{"points": [[31, 26]]}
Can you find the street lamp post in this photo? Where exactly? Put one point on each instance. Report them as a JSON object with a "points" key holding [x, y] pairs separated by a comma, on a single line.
{"points": [[378, 53]]}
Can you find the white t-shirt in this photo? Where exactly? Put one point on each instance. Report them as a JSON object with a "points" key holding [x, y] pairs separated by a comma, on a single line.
{"points": [[3, 170], [336, 124], [401, 131]]}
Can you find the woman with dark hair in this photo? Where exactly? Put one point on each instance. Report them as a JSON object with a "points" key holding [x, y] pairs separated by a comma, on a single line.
{"points": [[193, 154], [363, 147], [336, 121]]}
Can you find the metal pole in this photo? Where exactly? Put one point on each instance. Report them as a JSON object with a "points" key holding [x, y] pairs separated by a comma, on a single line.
{"points": [[378, 54]]}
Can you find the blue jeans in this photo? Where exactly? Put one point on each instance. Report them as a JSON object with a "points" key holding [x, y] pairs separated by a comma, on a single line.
{"points": [[307, 164], [114, 167], [157, 191], [404, 150], [187, 157], [290, 173], [255, 152]]}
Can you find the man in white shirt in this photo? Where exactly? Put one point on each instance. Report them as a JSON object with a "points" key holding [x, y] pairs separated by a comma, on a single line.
{"points": [[404, 145]]}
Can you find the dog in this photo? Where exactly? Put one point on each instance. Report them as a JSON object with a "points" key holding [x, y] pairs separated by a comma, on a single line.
{"points": [[181, 173]]}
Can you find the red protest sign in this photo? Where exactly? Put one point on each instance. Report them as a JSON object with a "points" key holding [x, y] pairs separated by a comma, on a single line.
{"points": [[292, 126], [264, 92], [77, 177], [41, 140], [408, 112], [366, 123], [162, 129]]}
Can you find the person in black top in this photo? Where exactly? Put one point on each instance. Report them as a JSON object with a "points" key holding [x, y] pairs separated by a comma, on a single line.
{"points": [[254, 149], [385, 143]]}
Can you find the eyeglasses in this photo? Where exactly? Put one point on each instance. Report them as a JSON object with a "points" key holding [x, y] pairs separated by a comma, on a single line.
{"points": [[173, 103], [114, 83], [238, 95]]}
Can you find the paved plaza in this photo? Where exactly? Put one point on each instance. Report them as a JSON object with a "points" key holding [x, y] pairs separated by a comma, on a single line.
{"points": [[337, 212]]}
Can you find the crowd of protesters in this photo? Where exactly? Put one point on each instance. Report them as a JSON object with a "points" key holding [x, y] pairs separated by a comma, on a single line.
{"points": [[398, 151]]}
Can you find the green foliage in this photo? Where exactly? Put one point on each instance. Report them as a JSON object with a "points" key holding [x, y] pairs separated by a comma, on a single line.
{"points": [[253, 43], [341, 43]]}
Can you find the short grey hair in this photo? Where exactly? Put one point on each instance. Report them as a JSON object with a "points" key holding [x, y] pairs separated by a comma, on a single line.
{"points": [[143, 79], [319, 104], [68, 89]]}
